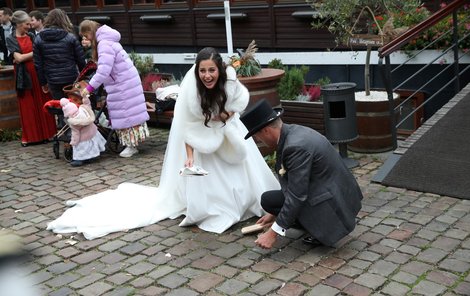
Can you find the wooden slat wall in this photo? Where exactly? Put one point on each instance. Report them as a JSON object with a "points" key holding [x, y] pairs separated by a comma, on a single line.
{"points": [[255, 26], [177, 32], [269, 22], [292, 32], [118, 22]]}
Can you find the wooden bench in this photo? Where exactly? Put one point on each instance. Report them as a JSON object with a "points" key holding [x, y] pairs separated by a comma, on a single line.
{"points": [[156, 119]]}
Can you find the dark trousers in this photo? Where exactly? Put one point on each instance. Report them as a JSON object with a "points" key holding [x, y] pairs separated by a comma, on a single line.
{"points": [[272, 201], [57, 93]]}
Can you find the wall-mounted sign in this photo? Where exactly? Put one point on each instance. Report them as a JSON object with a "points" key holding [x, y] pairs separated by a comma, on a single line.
{"points": [[366, 40]]}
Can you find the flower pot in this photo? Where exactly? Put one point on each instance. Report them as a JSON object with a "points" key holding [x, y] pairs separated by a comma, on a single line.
{"points": [[264, 86], [309, 114], [9, 114], [373, 123], [156, 120]]}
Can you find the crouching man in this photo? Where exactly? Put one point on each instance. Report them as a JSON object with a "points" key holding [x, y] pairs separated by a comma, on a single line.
{"points": [[318, 192]]}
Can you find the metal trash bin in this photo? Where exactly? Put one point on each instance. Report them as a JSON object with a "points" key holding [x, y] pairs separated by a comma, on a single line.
{"points": [[339, 107]]}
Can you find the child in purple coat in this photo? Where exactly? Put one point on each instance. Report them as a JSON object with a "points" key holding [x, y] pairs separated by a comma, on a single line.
{"points": [[125, 100]]}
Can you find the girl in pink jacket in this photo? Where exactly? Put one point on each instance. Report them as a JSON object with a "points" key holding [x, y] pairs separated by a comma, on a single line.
{"points": [[86, 141], [125, 96]]}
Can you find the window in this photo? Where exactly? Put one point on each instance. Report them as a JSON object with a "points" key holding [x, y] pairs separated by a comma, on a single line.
{"points": [[62, 3], [87, 3], [232, 2], [158, 2], [19, 4], [113, 2], [41, 3]]}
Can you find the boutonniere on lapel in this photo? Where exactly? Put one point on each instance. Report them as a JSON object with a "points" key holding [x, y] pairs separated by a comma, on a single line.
{"points": [[282, 171]]}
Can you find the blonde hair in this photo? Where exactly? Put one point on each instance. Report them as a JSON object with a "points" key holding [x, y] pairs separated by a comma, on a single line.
{"points": [[89, 26], [19, 17]]}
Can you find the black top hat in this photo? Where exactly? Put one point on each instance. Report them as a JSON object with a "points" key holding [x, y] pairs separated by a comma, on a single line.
{"points": [[258, 116]]}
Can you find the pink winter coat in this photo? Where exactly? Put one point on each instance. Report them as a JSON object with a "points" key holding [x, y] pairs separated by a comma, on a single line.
{"points": [[125, 100], [80, 119]]}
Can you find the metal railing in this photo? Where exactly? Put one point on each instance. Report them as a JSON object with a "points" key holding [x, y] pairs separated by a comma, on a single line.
{"points": [[393, 83]]}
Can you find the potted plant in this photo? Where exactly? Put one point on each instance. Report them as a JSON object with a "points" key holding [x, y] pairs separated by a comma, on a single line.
{"points": [[301, 101], [143, 64], [151, 80], [261, 82], [368, 24]]}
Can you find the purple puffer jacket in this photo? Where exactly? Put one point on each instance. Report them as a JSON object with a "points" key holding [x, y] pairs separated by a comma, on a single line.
{"points": [[125, 100]]}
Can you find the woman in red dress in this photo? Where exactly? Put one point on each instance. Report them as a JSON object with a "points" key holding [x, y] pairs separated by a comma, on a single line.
{"points": [[37, 126]]}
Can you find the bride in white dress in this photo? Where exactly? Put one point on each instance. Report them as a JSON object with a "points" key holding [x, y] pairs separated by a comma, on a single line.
{"points": [[212, 139]]}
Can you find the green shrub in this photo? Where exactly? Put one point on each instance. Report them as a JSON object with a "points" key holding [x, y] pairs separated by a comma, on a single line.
{"points": [[276, 64], [271, 160], [292, 83], [7, 135], [144, 64]]}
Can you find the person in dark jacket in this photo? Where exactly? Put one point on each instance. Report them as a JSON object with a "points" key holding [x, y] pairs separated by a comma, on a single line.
{"points": [[318, 192], [58, 55], [6, 29]]}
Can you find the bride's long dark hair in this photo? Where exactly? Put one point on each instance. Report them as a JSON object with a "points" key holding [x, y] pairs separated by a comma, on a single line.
{"points": [[217, 95]]}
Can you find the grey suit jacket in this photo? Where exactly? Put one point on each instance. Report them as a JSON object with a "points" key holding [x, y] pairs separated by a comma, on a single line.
{"points": [[320, 192]]}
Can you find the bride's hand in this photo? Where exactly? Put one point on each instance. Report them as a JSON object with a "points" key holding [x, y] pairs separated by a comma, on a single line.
{"points": [[225, 116], [189, 162], [222, 116], [189, 156]]}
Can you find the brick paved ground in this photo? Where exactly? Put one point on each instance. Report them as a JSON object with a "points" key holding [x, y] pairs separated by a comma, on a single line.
{"points": [[406, 243]]}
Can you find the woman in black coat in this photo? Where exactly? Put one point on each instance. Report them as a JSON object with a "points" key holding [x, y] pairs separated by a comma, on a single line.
{"points": [[58, 55]]}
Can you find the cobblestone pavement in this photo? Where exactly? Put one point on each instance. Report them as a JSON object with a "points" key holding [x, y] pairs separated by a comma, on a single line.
{"points": [[406, 242]]}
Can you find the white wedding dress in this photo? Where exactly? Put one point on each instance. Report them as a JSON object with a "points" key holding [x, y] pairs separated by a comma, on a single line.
{"points": [[230, 193]]}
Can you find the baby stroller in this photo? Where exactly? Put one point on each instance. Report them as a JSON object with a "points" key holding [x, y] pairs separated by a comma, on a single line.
{"points": [[98, 104]]}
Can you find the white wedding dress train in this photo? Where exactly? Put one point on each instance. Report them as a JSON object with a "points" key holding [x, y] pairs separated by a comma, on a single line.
{"points": [[230, 193]]}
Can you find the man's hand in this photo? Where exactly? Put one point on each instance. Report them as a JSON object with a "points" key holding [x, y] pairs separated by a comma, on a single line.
{"points": [[267, 220], [266, 240]]}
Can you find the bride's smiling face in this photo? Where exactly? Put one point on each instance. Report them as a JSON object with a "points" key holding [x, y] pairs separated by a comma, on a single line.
{"points": [[208, 73]]}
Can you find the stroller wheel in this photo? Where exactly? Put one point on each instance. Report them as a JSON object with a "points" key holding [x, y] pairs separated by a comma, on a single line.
{"points": [[68, 152], [55, 148], [113, 143]]}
